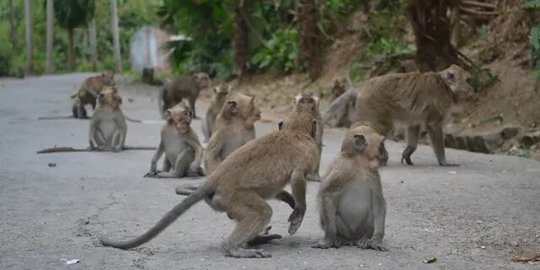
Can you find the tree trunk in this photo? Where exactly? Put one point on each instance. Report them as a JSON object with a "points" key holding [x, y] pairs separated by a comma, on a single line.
{"points": [[49, 66], [241, 54], [93, 43], [116, 37], [29, 36], [71, 56], [431, 26], [310, 42], [12, 27]]}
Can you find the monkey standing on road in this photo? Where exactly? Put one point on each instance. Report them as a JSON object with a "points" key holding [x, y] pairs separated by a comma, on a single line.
{"points": [[89, 93], [183, 152], [234, 127], [351, 202], [108, 126], [240, 185], [207, 126], [175, 90], [307, 102], [414, 99]]}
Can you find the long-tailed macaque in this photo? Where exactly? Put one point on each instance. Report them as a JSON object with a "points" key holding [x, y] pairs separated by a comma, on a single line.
{"points": [[89, 92], [413, 99], [207, 126], [183, 87], [234, 127], [183, 151], [108, 128], [351, 202], [241, 184]]}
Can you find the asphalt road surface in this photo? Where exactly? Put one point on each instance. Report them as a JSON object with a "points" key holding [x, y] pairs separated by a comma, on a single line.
{"points": [[475, 216]]}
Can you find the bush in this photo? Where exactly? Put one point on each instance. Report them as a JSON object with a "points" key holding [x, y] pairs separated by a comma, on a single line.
{"points": [[281, 52], [6, 60]]}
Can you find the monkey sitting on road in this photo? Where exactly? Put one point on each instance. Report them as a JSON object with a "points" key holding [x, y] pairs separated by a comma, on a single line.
{"points": [[175, 90], [307, 102], [351, 203], [183, 152], [413, 99], [89, 93], [243, 182], [108, 126], [234, 127], [207, 126]]}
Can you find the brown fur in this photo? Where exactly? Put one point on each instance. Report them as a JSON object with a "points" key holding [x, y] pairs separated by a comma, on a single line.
{"points": [[220, 94], [183, 87], [183, 151], [307, 102], [414, 99], [89, 92], [108, 128], [243, 182], [342, 116], [234, 127], [351, 202]]}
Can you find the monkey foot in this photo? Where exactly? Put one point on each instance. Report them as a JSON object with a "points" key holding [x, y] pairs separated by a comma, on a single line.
{"points": [[371, 244], [446, 164], [247, 253], [407, 159], [263, 239], [295, 220], [325, 244]]}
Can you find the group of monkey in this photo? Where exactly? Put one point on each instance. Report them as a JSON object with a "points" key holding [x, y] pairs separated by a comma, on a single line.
{"points": [[239, 179]]}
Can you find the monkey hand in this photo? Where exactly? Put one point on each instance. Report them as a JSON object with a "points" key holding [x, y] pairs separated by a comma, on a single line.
{"points": [[151, 174], [295, 219], [327, 243]]}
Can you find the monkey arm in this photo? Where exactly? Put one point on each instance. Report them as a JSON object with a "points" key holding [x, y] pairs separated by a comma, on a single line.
{"points": [[298, 186], [194, 143], [92, 133], [212, 155], [155, 158], [122, 126]]}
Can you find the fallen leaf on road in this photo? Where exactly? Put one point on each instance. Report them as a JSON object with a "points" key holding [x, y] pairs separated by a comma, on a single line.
{"points": [[519, 259], [430, 260], [452, 172], [70, 262], [52, 165]]}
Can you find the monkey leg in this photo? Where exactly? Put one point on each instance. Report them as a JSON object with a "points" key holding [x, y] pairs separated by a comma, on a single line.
{"points": [[329, 217], [251, 218], [436, 136], [412, 142], [166, 165], [183, 160], [286, 197]]}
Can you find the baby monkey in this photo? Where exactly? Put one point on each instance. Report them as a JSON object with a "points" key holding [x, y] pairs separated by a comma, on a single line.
{"points": [[352, 206], [183, 151], [108, 128]]}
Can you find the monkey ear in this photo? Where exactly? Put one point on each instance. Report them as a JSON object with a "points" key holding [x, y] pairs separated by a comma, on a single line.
{"points": [[167, 113], [232, 106], [280, 125], [313, 131], [450, 76], [360, 141]]}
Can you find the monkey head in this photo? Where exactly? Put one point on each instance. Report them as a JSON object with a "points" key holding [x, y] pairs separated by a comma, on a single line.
{"points": [[202, 79], [180, 116], [109, 96], [107, 78], [457, 80], [221, 92], [337, 89], [307, 102], [241, 106], [366, 142]]}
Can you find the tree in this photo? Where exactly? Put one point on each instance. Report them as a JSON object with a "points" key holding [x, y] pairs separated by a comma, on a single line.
{"points": [[50, 23], [12, 27], [116, 36], [29, 36], [307, 14], [241, 54], [71, 14], [93, 43]]}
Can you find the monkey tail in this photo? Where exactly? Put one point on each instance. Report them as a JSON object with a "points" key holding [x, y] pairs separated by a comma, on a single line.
{"points": [[132, 120], [163, 223]]}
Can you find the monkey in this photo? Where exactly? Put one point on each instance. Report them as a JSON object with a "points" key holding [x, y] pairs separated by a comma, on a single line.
{"points": [[307, 102], [351, 203], [234, 127], [180, 88], [108, 126], [89, 92], [342, 116], [183, 152], [207, 126], [242, 183], [416, 100]]}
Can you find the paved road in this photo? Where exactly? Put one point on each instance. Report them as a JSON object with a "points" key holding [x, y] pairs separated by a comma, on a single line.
{"points": [[471, 217]]}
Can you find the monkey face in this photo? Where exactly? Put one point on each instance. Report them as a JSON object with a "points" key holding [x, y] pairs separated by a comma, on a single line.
{"points": [[109, 95], [367, 142], [107, 78], [203, 80], [337, 89], [458, 80], [307, 102], [180, 117]]}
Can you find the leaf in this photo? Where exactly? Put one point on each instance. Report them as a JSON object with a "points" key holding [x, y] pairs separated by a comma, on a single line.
{"points": [[531, 4], [535, 37]]}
